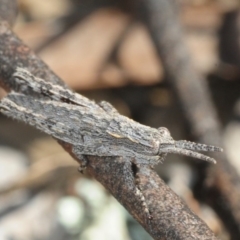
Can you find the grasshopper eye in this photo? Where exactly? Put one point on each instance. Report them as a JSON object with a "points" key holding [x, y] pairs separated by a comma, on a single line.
{"points": [[164, 132]]}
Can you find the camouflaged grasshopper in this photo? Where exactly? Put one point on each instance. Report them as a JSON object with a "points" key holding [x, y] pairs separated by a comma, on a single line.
{"points": [[91, 129]]}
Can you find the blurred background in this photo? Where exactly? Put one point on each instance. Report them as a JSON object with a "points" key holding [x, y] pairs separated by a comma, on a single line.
{"points": [[103, 52]]}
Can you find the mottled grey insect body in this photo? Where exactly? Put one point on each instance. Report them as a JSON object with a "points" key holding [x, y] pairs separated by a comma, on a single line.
{"points": [[92, 129]]}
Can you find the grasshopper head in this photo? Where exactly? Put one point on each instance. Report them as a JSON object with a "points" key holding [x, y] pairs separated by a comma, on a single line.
{"points": [[186, 148]]}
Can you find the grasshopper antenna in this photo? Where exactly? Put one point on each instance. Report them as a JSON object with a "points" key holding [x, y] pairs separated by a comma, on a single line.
{"points": [[189, 149], [183, 144]]}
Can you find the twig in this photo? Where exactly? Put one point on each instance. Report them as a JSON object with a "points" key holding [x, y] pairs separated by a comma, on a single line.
{"points": [[172, 219], [16, 54], [222, 183]]}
